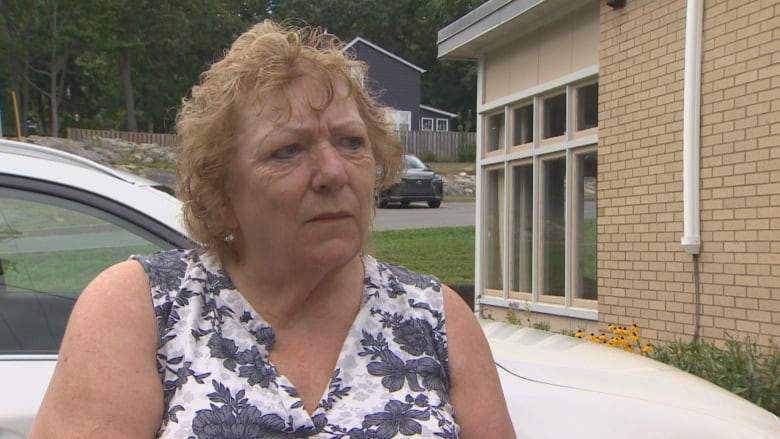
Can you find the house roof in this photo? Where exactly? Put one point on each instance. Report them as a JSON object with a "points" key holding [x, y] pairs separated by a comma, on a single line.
{"points": [[498, 21], [386, 52], [436, 110]]}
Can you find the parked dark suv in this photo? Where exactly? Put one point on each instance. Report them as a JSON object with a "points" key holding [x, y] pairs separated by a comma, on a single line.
{"points": [[419, 183]]}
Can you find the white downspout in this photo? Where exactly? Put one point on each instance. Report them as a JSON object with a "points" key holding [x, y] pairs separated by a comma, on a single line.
{"points": [[691, 240]]}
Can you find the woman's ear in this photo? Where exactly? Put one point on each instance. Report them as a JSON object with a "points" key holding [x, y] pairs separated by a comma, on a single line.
{"points": [[228, 214]]}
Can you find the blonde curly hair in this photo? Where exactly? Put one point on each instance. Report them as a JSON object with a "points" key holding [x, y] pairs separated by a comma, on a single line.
{"points": [[262, 61]]}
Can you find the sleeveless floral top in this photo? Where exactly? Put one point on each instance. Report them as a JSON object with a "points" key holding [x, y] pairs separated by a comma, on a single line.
{"points": [[390, 379]]}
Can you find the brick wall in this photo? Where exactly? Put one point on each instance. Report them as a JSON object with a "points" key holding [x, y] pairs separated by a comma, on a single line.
{"points": [[644, 275]]}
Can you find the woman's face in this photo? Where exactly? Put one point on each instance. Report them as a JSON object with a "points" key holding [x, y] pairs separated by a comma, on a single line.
{"points": [[302, 190]]}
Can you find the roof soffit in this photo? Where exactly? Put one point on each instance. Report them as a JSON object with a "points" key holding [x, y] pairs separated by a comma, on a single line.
{"points": [[496, 22]]}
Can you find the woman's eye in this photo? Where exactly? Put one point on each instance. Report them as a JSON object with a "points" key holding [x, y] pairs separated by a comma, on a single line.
{"points": [[352, 143], [286, 152]]}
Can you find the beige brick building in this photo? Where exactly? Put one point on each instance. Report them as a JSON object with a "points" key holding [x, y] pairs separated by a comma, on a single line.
{"points": [[582, 221]]}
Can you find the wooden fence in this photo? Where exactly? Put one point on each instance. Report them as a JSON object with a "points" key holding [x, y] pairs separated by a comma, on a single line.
{"points": [[161, 139], [443, 145]]}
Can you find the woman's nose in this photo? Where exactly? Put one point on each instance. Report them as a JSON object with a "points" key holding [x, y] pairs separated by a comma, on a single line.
{"points": [[330, 172]]}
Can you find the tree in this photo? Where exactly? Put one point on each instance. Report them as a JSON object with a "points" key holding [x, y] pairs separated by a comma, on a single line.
{"points": [[63, 32], [127, 64], [15, 31]]}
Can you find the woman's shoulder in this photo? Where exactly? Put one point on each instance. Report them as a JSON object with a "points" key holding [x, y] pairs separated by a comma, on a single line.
{"points": [[174, 264], [165, 258], [399, 274], [400, 291]]}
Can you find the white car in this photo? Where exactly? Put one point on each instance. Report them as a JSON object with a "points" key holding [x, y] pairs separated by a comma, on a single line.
{"points": [[558, 386], [63, 219]]}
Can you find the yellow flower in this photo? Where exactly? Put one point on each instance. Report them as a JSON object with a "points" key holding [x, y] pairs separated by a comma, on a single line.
{"points": [[624, 337]]}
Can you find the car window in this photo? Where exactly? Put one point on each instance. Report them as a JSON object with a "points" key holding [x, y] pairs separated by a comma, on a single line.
{"points": [[50, 248], [413, 162]]}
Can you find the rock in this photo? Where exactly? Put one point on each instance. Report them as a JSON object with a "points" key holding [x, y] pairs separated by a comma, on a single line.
{"points": [[461, 184]]}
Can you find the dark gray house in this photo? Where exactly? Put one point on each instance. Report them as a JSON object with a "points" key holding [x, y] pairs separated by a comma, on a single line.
{"points": [[398, 82], [434, 119]]}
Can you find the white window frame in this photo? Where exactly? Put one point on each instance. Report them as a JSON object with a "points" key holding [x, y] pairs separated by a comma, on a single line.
{"points": [[439, 122], [546, 139], [515, 124], [569, 145], [426, 124], [402, 120], [575, 107], [358, 75], [495, 135]]}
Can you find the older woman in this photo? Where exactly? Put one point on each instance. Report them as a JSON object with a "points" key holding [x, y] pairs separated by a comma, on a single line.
{"points": [[281, 325]]}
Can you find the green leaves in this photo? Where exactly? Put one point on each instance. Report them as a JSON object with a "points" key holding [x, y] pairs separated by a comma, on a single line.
{"points": [[742, 367], [114, 61]]}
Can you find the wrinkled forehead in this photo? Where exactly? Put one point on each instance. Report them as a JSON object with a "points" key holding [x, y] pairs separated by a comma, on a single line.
{"points": [[303, 95]]}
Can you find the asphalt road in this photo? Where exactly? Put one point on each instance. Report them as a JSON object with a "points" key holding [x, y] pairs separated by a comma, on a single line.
{"points": [[420, 216]]}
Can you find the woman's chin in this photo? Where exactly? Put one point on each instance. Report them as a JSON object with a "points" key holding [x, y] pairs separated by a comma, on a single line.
{"points": [[334, 253]]}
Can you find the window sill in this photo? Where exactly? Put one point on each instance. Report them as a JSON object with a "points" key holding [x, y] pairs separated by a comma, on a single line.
{"points": [[558, 310]]}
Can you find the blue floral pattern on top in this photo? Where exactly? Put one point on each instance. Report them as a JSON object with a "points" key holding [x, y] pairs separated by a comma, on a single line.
{"points": [[390, 380]]}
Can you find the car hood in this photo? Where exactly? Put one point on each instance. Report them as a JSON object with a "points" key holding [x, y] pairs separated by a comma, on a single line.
{"points": [[418, 174], [556, 385]]}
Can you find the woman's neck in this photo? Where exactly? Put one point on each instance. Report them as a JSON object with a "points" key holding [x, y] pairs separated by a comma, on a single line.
{"points": [[301, 293]]}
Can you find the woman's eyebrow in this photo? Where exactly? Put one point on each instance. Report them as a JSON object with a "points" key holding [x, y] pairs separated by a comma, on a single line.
{"points": [[352, 123], [275, 131], [301, 131]]}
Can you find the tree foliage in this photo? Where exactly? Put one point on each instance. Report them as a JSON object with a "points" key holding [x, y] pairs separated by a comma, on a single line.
{"points": [[126, 64]]}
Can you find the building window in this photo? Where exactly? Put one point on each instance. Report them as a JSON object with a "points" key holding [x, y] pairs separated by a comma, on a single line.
{"points": [[402, 120], [495, 132], [587, 108], [523, 125], [554, 116], [358, 75], [543, 248], [553, 227], [442, 125], [552, 235], [426, 124], [494, 231], [584, 213], [522, 227]]}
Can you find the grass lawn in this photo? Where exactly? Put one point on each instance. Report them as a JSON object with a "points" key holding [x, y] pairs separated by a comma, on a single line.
{"points": [[446, 252]]}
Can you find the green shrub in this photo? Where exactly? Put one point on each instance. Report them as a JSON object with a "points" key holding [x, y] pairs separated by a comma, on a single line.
{"points": [[428, 157], [741, 367], [467, 153]]}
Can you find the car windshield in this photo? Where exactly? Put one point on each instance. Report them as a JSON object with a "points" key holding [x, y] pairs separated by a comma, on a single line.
{"points": [[413, 162]]}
